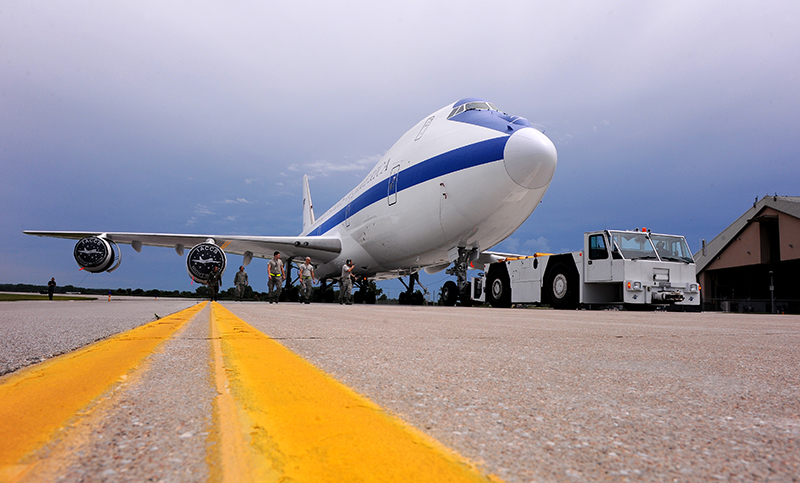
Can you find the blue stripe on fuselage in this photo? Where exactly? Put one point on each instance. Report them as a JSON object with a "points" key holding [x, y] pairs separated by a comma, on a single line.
{"points": [[461, 158]]}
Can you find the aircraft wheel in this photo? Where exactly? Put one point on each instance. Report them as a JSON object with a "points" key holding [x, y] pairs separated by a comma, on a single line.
{"points": [[465, 296], [449, 293], [562, 287], [498, 289]]}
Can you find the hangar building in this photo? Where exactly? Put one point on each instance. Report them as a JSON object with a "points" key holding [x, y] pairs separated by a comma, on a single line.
{"points": [[754, 264]]}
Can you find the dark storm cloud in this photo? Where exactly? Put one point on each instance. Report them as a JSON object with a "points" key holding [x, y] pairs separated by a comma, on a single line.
{"points": [[152, 116]]}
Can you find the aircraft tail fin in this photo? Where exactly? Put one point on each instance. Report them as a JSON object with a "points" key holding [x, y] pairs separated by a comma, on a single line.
{"points": [[308, 207]]}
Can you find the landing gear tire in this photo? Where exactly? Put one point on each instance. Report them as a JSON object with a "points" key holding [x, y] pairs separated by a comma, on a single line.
{"points": [[449, 293], [498, 289], [415, 298], [465, 295], [562, 286]]}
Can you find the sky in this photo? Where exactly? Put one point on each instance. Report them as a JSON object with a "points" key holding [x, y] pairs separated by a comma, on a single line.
{"points": [[203, 116]]}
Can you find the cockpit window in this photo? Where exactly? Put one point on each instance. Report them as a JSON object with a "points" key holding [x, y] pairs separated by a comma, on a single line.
{"points": [[473, 105]]}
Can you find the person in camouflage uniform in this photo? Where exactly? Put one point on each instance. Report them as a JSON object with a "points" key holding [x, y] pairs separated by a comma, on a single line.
{"points": [[240, 281], [214, 279]]}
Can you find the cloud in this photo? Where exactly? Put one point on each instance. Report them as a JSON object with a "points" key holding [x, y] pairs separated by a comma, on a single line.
{"points": [[540, 244], [326, 168], [202, 210], [532, 245], [237, 201]]}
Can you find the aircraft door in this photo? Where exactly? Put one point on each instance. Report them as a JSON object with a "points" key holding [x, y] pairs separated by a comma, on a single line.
{"points": [[347, 215], [445, 211], [392, 195], [598, 261]]}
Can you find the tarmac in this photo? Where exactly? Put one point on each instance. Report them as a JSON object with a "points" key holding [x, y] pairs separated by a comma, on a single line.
{"points": [[527, 395]]}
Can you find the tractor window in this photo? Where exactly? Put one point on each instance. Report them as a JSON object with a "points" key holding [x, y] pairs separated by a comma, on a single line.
{"points": [[597, 247], [672, 248], [634, 245]]}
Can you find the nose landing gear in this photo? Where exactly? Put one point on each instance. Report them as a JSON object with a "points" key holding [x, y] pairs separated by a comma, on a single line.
{"points": [[459, 291]]}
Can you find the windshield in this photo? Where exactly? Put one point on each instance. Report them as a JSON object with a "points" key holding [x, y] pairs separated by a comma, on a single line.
{"points": [[474, 105], [638, 246], [672, 248], [633, 245]]}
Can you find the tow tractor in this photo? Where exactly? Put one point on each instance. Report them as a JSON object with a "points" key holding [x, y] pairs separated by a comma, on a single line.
{"points": [[616, 268]]}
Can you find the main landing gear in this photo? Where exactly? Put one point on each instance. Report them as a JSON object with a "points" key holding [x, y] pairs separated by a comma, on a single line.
{"points": [[409, 297], [366, 293]]}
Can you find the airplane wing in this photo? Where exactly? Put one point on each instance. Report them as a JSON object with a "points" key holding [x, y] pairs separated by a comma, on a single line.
{"points": [[493, 257], [477, 264], [319, 248]]}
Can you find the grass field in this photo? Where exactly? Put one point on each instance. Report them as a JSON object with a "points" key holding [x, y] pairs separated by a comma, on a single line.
{"points": [[13, 297]]}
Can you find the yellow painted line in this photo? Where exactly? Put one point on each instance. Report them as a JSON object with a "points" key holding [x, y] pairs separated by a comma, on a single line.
{"points": [[231, 446], [299, 424], [37, 401]]}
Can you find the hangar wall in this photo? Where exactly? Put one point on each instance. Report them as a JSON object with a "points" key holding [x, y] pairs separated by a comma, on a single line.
{"points": [[790, 238], [754, 265]]}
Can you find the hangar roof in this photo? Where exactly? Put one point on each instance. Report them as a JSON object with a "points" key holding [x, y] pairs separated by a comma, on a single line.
{"points": [[785, 204]]}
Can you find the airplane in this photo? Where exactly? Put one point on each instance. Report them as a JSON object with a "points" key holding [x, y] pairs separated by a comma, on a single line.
{"points": [[456, 184]]}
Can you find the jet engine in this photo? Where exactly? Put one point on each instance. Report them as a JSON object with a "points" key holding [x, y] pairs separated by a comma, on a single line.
{"points": [[95, 254], [202, 259]]}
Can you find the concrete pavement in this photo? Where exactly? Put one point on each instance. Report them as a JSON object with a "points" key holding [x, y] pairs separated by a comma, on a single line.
{"points": [[527, 395]]}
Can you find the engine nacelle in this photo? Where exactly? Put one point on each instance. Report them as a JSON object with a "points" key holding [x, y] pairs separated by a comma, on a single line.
{"points": [[202, 259], [95, 254]]}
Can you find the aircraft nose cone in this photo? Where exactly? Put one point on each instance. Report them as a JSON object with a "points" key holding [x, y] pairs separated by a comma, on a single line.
{"points": [[530, 158]]}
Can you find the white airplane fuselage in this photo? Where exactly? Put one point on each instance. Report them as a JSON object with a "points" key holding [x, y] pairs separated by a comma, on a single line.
{"points": [[468, 180]]}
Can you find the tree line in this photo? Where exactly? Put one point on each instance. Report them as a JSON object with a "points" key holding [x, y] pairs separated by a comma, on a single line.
{"points": [[200, 292]]}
